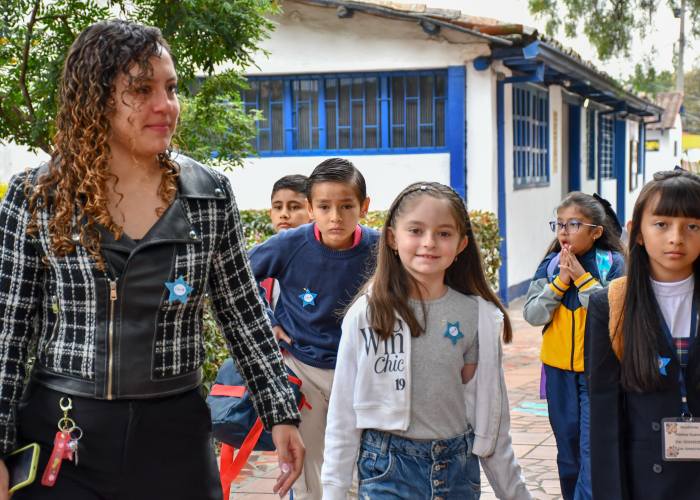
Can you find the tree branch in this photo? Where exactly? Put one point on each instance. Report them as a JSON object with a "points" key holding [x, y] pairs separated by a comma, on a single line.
{"points": [[23, 76], [64, 19], [25, 60]]}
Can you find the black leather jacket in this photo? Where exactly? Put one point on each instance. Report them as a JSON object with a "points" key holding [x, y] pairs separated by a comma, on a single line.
{"points": [[106, 336]]}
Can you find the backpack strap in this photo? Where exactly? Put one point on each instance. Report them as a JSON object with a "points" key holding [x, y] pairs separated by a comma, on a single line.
{"points": [[551, 268], [231, 467], [604, 261]]}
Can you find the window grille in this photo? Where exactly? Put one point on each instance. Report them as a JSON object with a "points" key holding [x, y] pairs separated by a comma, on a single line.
{"points": [[530, 136], [267, 96], [590, 142], [606, 148], [359, 113]]}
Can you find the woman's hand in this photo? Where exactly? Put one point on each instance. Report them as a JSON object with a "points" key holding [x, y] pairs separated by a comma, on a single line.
{"points": [[280, 334], [4, 482], [290, 453]]}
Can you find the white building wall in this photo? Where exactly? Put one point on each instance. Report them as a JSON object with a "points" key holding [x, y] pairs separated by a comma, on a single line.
{"points": [[664, 158], [631, 195], [482, 140], [313, 39], [587, 186], [386, 175], [15, 159], [530, 209]]}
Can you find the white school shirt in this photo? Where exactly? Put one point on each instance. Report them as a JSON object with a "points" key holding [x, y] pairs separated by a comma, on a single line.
{"points": [[676, 302]]}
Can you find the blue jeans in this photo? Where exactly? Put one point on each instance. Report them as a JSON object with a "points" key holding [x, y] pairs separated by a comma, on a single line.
{"points": [[570, 415], [394, 468]]}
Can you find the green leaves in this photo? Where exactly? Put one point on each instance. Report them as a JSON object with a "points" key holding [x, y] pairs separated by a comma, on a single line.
{"points": [[205, 35], [610, 25]]}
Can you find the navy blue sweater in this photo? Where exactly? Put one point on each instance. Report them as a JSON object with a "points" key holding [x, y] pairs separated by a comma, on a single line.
{"points": [[316, 283]]}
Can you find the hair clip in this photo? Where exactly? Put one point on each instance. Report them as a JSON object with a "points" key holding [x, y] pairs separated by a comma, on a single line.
{"points": [[423, 188]]}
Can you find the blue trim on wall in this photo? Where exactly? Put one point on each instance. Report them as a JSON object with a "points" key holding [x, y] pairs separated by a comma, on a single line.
{"points": [[500, 121], [574, 148], [621, 167], [518, 290], [457, 128]]}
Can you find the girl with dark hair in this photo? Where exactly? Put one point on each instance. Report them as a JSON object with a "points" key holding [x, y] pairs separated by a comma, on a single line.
{"points": [[107, 254], [407, 392], [588, 254], [642, 358]]}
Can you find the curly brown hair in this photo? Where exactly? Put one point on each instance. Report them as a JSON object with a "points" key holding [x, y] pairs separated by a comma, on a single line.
{"points": [[79, 168]]}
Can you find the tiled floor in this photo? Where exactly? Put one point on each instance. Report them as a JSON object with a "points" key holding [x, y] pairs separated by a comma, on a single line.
{"points": [[532, 435]]}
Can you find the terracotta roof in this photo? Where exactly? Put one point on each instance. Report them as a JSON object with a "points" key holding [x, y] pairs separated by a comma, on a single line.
{"points": [[671, 102]]}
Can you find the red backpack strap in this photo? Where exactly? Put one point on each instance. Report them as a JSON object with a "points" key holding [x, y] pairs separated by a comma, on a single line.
{"points": [[232, 467], [236, 391], [268, 285]]}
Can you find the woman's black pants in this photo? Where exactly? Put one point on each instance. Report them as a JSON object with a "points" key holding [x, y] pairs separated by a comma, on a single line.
{"points": [[158, 448]]}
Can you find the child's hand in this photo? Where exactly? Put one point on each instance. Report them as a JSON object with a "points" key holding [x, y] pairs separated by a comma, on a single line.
{"points": [[575, 268], [280, 334], [468, 372], [564, 266]]}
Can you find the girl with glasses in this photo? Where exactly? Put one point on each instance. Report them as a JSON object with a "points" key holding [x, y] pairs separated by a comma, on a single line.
{"points": [[584, 257]]}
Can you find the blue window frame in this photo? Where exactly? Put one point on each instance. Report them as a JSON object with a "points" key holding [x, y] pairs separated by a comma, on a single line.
{"points": [[590, 142], [606, 147], [530, 136], [355, 113]]}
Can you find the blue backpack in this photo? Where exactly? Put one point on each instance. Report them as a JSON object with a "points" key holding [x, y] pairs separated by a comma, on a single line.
{"points": [[232, 413]]}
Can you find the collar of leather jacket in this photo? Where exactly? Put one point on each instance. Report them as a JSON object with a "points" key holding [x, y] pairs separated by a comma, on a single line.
{"points": [[196, 181], [616, 299]]}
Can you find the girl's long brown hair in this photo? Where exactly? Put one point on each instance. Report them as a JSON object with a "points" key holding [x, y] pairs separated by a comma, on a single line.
{"points": [[673, 193], [391, 284], [74, 190]]}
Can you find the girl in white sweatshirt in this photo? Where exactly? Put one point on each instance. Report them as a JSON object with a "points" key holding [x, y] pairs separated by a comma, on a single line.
{"points": [[407, 392]]}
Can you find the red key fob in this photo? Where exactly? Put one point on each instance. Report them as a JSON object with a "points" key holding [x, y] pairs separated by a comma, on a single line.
{"points": [[59, 451]]}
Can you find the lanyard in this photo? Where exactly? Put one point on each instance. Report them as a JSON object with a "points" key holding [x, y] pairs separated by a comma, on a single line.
{"points": [[672, 344]]}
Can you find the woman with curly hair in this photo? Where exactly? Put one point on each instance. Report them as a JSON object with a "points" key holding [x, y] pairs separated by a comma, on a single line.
{"points": [[107, 254]]}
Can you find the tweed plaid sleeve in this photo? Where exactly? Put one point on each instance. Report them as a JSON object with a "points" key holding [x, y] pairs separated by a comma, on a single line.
{"points": [[21, 273], [239, 309]]}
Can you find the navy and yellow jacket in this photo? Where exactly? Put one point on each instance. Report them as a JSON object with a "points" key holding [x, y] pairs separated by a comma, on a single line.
{"points": [[562, 308]]}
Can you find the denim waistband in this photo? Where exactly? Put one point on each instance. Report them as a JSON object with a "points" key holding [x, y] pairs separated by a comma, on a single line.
{"points": [[435, 449]]}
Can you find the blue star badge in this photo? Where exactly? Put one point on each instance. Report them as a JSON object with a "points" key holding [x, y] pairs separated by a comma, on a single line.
{"points": [[307, 298], [179, 290], [662, 365], [453, 332]]}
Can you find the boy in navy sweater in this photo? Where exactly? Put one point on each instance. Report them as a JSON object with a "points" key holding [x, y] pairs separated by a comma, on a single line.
{"points": [[320, 267], [288, 211]]}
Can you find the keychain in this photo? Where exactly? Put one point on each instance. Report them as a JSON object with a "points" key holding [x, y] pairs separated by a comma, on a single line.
{"points": [[65, 445]]}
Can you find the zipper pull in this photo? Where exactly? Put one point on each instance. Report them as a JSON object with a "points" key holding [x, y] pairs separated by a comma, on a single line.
{"points": [[54, 306], [113, 290]]}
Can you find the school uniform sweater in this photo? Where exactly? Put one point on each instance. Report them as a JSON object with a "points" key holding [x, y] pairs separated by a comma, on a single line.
{"points": [[316, 283], [562, 308], [367, 396]]}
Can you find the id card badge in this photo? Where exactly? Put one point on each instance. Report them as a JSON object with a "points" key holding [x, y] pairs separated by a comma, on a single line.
{"points": [[681, 439]]}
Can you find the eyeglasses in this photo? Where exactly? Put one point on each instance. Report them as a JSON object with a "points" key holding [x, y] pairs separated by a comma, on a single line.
{"points": [[571, 227]]}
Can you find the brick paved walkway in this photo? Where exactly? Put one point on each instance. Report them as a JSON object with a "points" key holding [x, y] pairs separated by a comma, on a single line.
{"points": [[532, 435]]}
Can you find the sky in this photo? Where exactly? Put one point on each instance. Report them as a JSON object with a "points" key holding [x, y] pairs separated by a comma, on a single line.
{"points": [[666, 32]]}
